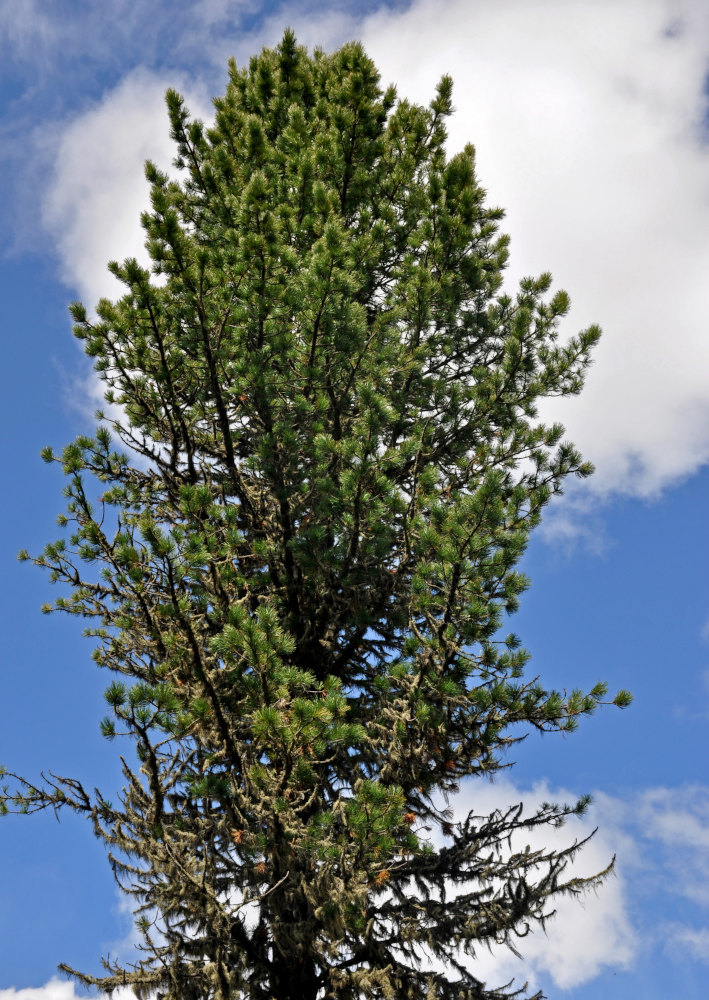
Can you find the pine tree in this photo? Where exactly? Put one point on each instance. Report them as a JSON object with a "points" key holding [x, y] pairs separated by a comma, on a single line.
{"points": [[299, 570]]}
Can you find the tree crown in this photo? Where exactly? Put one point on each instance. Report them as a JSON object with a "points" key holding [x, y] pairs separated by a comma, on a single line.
{"points": [[334, 464]]}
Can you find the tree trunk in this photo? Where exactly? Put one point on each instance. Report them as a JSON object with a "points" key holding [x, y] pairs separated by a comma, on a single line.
{"points": [[294, 978]]}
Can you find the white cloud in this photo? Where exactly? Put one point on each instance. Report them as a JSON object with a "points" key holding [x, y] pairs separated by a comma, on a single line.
{"points": [[47, 36], [587, 118], [676, 822], [585, 935], [98, 190], [689, 941], [55, 989], [58, 989], [660, 840], [588, 121], [25, 26], [678, 817]]}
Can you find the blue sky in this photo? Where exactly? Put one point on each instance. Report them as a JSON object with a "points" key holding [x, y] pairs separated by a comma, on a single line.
{"points": [[591, 125]]}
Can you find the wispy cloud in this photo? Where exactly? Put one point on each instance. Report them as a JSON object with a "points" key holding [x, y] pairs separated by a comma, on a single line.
{"points": [[44, 37], [26, 27], [676, 822], [686, 940]]}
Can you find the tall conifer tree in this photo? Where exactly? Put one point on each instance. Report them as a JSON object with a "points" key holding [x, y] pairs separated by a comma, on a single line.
{"points": [[298, 571]]}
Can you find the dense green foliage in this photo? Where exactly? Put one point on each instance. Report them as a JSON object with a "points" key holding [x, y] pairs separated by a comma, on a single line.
{"points": [[299, 570]]}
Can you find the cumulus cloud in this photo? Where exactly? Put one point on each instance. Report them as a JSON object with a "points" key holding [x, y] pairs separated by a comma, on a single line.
{"points": [[57, 989], [589, 120], [589, 124], [92, 208], [660, 841], [585, 935]]}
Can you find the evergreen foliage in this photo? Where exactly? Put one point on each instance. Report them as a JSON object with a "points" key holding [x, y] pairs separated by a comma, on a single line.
{"points": [[299, 570]]}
